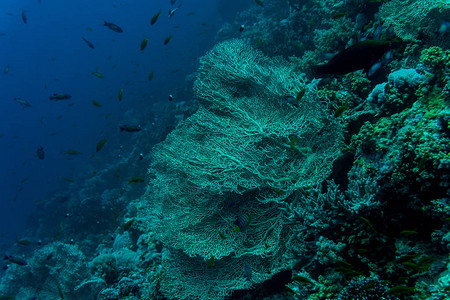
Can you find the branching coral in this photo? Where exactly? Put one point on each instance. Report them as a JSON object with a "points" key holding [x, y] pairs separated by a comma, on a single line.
{"points": [[245, 151], [410, 18]]}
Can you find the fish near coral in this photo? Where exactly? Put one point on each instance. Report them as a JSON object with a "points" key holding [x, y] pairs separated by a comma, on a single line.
{"points": [[361, 56], [15, 260], [100, 144], [247, 272], [130, 128], [242, 222]]}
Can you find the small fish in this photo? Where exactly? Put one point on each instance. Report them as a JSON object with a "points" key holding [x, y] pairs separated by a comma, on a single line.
{"points": [[340, 110], [96, 103], [24, 17], [22, 102], [61, 295], [127, 225], [113, 27], [191, 13], [338, 15], [241, 28], [100, 144], [144, 44], [172, 11], [68, 179], [259, 2], [130, 128], [155, 18], [445, 26], [408, 232], [247, 272], [222, 236], [136, 179], [302, 279], [120, 95], [72, 152], [211, 262], [49, 256], [6, 69], [167, 39], [40, 153], [98, 74], [289, 290], [170, 97], [367, 222], [242, 222], [90, 45], [23, 242], [58, 97], [401, 290], [150, 77], [15, 260]]}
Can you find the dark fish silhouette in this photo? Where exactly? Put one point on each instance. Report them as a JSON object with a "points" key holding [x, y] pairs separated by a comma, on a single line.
{"points": [[361, 56], [130, 128], [24, 17], [113, 27], [88, 43], [57, 97], [40, 153]]}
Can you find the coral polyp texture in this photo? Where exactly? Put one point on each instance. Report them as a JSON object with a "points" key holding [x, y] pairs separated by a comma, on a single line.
{"points": [[259, 135]]}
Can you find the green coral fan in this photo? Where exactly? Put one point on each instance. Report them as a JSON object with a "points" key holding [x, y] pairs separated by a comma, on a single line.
{"points": [[245, 151], [414, 19]]}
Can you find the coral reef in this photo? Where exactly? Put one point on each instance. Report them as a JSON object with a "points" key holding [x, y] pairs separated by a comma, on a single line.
{"points": [[246, 150]]}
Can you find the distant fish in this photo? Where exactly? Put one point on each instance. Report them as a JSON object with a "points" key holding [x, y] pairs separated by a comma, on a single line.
{"points": [[40, 153], [127, 225], [23, 242], [88, 43], [259, 2], [136, 179], [72, 152], [130, 128], [15, 260], [58, 97], [167, 39], [144, 44], [172, 11], [24, 17], [22, 102], [445, 26], [100, 144], [113, 27], [98, 74], [120, 95], [96, 103], [362, 55], [6, 69], [247, 272], [155, 18], [150, 77]]}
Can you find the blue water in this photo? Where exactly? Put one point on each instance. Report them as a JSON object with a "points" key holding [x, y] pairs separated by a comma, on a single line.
{"points": [[47, 55]]}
